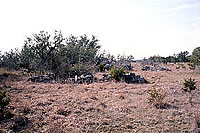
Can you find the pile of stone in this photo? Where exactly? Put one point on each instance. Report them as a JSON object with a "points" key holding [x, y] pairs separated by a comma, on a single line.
{"points": [[133, 78], [128, 67], [108, 67], [47, 78], [154, 68], [81, 79], [84, 79], [106, 78]]}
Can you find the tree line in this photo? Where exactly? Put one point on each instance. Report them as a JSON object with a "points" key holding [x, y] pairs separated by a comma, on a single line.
{"points": [[69, 56], [183, 56], [63, 56]]}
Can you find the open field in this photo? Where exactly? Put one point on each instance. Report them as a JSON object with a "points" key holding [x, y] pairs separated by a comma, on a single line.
{"points": [[104, 107]]}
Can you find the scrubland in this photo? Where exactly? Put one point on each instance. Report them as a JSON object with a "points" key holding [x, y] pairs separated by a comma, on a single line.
{"points": [[104, 107]]}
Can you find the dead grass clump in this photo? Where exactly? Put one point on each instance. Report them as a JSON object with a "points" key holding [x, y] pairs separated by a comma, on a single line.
{"points": [[64, 112], [20, 122], [156, 97], [197, 121]]}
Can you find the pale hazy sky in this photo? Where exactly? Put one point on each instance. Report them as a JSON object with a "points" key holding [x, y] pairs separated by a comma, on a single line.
{"points": [[138, 27]]}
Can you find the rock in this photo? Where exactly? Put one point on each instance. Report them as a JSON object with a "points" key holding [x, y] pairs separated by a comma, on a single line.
{"points": [[47, 78], [105, 78], [146, 68], [108, 67], [128, 67], [154, 68], [132, 78], [85, 79]]}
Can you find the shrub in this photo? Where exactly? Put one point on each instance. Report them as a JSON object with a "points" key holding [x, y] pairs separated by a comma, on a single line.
{"points": [[156, 97], [117, 74], [101, 68], [177, 67], [80, 69], [4, 100], [191, 66], [197, 120], [189, 85]]}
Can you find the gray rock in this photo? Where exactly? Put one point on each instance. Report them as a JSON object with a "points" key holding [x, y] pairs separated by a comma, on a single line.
{"points": [[132, 78], [47, 78]]}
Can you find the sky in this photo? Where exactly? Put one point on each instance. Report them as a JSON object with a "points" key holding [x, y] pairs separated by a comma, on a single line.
{"points": [[141, 28]]}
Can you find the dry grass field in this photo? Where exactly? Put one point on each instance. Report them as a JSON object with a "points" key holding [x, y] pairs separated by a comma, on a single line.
{"points": [[104, 107]]}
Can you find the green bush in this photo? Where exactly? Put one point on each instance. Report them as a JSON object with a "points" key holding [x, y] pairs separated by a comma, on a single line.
{"points": [[189, 84], [117, 74], [4, 100], [80, 69], [156, 97]]}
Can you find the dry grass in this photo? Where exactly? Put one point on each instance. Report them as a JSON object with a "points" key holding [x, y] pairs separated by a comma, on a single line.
{"points": [[105, 107]]}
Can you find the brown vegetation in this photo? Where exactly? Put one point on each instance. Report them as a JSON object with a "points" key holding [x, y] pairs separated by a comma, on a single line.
{"points": [[105, 107]]}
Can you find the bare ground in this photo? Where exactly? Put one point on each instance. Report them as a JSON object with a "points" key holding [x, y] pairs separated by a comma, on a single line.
{"points": [[104, 107]]}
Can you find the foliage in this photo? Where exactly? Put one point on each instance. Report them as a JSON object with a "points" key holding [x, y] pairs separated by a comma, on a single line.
{"points": [[4, 100], [180, 57], [156, 97], [44, 52], [123, 59], [117, 74], [195, 57], [191, 66], [101, 68], [10, 60], [80, 69], [105, 58], [189, 84]]}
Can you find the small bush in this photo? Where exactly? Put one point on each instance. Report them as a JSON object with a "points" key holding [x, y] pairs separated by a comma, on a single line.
{"points": [[101, 68], [178, 67], [191, 66], [189, 85], [117, 74], [197, 121], [156, 97], [80, 69], [4, 100], [182, 65]]}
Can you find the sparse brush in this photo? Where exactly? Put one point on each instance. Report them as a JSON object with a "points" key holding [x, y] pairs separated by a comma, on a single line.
{"points": [[117, 74], [4, 100], [191, 66], [156, 97], [177, 67], [189, 85], [197, 121], [101, 68]]}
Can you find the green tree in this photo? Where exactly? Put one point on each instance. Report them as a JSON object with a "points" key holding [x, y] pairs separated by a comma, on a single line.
{"points": [[39, 49], [11, 59], [195, 57], [182, 56]]}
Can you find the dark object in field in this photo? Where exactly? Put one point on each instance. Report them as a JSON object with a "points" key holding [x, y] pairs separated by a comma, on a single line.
{"points": [[47, 78], [128, 67], [154, 68], [85, 79], [132, 78]]}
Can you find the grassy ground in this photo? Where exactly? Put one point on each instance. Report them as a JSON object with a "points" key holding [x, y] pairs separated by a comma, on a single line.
{"points": [[104, 107]]}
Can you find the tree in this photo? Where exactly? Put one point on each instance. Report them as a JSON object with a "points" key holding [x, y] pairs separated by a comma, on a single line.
{"points": [[39, 49], [11, 59], [182, 56], [195, 57]]}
